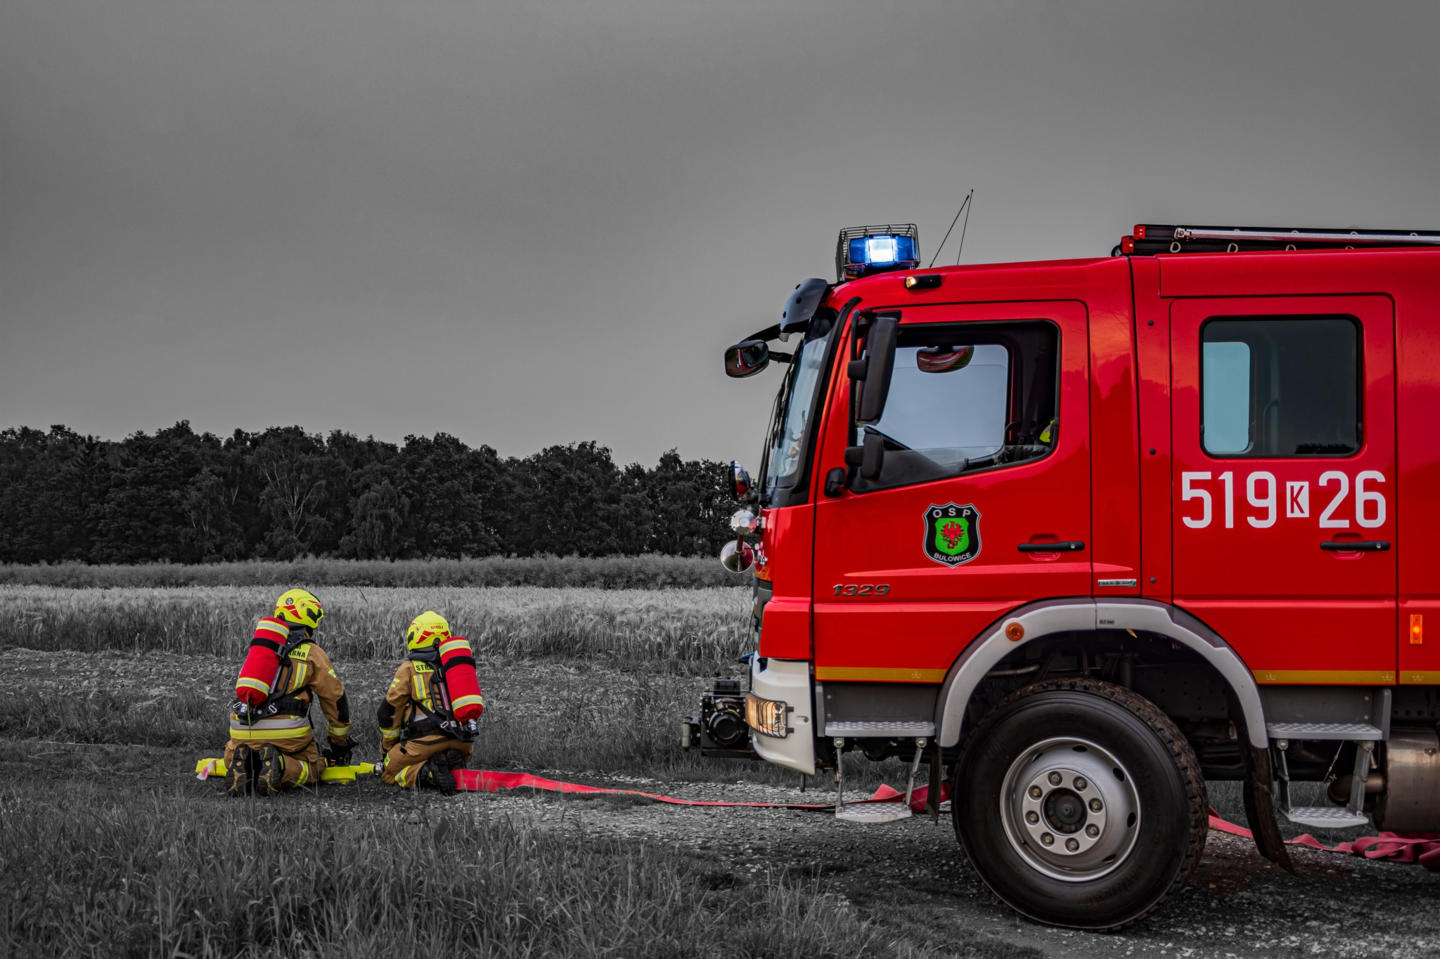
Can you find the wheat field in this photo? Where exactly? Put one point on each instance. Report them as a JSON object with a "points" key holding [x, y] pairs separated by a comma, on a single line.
{"points": [[692, 626]]}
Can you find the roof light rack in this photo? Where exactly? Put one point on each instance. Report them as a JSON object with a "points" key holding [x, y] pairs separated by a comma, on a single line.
{"points": [[1149, 238]]}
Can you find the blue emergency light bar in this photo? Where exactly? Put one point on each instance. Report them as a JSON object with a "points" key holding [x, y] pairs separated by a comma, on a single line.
{"points": [[863, 250]]}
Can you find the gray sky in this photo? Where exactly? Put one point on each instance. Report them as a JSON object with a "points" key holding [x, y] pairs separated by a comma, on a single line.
{"points": [[535, 223]]}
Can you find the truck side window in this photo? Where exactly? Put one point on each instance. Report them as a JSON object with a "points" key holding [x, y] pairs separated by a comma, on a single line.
{"points": [[967, 398], [1280, 386]]}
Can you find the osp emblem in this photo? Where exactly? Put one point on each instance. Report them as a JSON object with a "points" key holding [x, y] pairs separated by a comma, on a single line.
{"points": [[952, 533]]}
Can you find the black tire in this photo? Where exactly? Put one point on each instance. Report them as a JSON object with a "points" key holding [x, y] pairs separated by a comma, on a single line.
{"points": [[1148, 828]]}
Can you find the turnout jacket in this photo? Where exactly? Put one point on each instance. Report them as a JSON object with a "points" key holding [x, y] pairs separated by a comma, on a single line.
{"points": [[416, 695], [305, 674]]}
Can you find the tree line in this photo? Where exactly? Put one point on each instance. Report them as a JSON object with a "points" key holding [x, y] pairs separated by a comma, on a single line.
{"points": [[187, 497]]}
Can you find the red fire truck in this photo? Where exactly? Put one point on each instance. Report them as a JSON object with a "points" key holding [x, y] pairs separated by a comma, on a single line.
{"points": [[1082, 535]]}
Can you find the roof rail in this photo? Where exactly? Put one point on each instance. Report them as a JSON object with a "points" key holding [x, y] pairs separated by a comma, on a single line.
{"points": [[1149, 238]]}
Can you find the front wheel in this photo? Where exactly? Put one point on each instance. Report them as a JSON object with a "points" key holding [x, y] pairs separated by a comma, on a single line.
{"points": [[1079, 803]]}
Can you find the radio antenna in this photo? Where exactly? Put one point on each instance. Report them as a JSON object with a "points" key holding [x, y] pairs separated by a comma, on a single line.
{"points": [[965, 203], [963, 227]]}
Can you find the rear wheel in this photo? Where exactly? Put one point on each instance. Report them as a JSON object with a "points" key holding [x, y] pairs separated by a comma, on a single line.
{"points": [[1079, 803]]}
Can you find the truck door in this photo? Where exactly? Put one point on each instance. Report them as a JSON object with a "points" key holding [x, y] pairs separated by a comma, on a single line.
{"points": [[1284, 482], [982, 501]]}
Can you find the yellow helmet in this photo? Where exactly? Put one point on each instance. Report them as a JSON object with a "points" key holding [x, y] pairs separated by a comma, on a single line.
{"points": [[299, 607], [426, 629]]}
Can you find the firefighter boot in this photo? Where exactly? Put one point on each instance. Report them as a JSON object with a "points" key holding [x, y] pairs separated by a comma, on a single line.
{"points": [[270, 770], [239, 774], [438, 773]]}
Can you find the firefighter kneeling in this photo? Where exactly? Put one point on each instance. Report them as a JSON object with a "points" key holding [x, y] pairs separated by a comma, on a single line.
{"points": [[428, 719], [271, 744]]}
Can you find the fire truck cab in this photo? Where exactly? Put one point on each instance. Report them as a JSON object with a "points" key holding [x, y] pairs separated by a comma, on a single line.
{"points": [[1081, 535]]}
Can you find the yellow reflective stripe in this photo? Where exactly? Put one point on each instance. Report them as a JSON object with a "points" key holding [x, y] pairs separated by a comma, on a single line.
{"points": [[278, 631], [467, 701], [422, 692], [1323, 677], [400, 777], [246, 682], [454, 644], [248, 732], [337, 731], [390, 733], [304, 773], [880, 674], [297, 682]]}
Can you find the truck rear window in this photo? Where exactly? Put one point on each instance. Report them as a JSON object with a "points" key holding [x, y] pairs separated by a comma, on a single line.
{"points": [[1280, 386]]}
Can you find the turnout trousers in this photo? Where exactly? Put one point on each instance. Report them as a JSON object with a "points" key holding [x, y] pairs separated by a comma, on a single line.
{"points": [[403, 761], [302, 759]]}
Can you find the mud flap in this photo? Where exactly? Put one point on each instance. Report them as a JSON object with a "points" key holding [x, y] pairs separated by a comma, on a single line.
{"points": [[1260, 810]]}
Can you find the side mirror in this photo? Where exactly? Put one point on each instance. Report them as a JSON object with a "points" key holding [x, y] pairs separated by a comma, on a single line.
{"points": [[737, 557], [878, 362], [746, 358], [869, 456], [739, 480]]}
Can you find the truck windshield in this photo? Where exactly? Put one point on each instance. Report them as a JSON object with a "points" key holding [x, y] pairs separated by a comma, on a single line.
{"points": [[785, 455]]}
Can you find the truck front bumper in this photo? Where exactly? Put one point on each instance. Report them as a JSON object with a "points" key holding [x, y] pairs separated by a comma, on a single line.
{"points": [[787, 681]]}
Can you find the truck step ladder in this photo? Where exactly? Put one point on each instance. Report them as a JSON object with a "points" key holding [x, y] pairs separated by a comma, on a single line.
{"points": [[1345, 732], [879, 812], [1326, 817]]}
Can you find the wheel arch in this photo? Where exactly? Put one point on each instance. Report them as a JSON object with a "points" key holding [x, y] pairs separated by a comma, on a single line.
{"points": [[1048, 618]]}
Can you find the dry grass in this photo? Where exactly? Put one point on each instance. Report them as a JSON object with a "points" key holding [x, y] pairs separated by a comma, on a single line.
{"points": [[171, 871], [650, 626]]}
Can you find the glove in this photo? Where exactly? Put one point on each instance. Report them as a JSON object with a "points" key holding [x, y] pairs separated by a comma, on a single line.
{"points": [[337, 754]]}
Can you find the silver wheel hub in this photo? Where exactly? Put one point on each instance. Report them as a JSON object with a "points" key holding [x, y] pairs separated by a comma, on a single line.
{"points": [[1070, 809]]}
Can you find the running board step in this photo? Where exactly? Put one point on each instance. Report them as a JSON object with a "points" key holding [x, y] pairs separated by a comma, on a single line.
{"points": [[1346, 732], [1325, 817], [871, 729]]}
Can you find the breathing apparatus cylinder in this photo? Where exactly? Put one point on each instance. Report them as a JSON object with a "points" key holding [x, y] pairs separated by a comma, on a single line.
{"points": [[457, 665], [262, 662]]}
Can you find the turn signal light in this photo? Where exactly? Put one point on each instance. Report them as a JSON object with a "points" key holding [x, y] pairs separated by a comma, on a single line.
{"points": [[1417, 629]]}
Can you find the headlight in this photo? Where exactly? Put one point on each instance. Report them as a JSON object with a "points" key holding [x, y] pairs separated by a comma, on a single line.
{"points": [[766, 716]]}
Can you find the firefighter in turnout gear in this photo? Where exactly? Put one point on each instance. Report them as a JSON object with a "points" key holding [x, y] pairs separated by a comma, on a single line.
{"points": [[272, 746], [428, 719]]}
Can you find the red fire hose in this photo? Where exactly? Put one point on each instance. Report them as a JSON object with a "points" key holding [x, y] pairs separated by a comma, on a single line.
{"points": [[489, 781], [1422, 848]]}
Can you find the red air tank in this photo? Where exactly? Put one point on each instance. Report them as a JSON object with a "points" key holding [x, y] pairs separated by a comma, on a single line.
{"points": [[457, 666], [262, 663]]}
